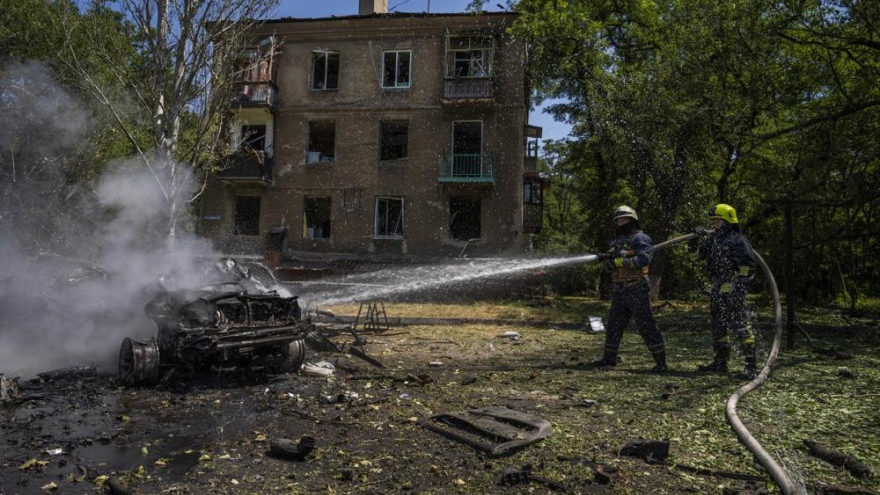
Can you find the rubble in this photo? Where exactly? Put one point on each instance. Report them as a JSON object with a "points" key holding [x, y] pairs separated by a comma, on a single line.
{"points": [[8, 389]]}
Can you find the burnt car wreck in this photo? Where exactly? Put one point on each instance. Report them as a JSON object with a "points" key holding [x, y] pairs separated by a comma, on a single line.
{"points": [[228, 326]]}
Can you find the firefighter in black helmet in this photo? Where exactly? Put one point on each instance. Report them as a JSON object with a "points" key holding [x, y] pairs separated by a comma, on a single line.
{"points": [[731, 268], [627, 260]]}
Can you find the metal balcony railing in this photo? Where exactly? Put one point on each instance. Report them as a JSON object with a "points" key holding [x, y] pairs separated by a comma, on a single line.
{"points": [[255, 94], [254, 167], [467, 167], [472, 88], [533, 215]]}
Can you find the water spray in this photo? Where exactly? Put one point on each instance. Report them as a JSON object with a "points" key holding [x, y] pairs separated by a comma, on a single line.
{"points": [[780, 477]]}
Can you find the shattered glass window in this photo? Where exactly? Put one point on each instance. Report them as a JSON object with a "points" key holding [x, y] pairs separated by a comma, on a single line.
{"points": [[247, 216]]}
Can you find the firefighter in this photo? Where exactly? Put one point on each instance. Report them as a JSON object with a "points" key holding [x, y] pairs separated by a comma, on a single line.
{"points": [[627, 259], [730, 264]]}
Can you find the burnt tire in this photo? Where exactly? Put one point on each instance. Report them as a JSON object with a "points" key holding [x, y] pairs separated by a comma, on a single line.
{"points": [[291, 357], [138, 362]]}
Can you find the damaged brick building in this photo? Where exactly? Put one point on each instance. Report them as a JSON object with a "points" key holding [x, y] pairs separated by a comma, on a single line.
{"points": [[380, 135]]}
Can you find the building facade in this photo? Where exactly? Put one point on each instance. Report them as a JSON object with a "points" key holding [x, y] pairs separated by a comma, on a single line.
{"points": [[379, 135]]}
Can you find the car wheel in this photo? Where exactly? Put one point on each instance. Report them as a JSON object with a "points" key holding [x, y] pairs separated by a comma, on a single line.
{"points": [[292, 357], [138, 362]]}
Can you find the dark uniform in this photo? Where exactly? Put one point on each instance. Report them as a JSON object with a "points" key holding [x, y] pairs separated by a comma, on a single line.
{"points": [[631, 296], [731, 267]]}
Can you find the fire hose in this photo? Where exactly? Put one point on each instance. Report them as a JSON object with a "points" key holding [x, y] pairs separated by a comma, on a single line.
{"points": [[780, 477]]}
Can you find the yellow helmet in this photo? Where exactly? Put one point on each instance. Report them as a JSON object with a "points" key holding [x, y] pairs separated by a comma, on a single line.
{"points": [[724, 212], [625, 211]]}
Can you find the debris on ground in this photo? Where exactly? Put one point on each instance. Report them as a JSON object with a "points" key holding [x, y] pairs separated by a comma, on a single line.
{"points": [[650, 450], [602, 473], [513, 476], [858, 468], [595, 325], [288, 449], [320, 368], [8, 388], [495, 430]]}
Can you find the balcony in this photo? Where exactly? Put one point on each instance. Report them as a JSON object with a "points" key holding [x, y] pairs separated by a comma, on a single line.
{"points": [[467, 168], [533, 217], [532, 135], [255, 94], [246, 168], [468, 90]]}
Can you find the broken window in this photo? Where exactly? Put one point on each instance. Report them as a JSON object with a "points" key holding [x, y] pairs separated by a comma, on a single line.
{"points": [[395, 69], [469, 56], [532, 191], [464, 218], [322, 141], [467, 149], [253, 138], [246, 220], [316, 218], [393, 140], [389, 218], [325, 70]]}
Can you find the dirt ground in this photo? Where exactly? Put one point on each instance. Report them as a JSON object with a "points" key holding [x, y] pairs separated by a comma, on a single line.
{"points": [[76, 432]]}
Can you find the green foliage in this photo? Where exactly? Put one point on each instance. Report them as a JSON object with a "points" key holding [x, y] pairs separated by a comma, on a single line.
{"points": [[681, 104]]}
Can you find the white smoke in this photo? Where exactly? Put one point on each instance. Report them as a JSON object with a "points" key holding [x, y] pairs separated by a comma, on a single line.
{"points": [[78, 262]]}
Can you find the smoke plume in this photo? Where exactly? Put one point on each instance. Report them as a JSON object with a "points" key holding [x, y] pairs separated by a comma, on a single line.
{"points": [[80, 257]]}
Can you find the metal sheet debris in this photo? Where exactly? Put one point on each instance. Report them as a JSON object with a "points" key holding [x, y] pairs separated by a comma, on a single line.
{"points": [[495, 430]]}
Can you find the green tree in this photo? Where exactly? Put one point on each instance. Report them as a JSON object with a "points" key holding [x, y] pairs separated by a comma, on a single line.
{"points": [[681, 104], [178, 82]]}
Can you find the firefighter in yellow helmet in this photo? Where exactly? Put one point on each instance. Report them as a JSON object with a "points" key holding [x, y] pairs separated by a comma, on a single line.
{"points": [[730, 264], [627, 259]]}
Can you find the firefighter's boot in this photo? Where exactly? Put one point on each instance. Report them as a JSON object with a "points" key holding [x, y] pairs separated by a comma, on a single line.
{"points": [[750, 371], [719, 364], [609, 360], [660, 359], [716, 366]]}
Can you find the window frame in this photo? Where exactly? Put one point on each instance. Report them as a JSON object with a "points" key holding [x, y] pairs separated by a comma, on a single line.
{"points": [[325, 222], [248, 135], [396, 84], [378, 210], [316, 56], [462, 49], [383, 138], [471, 205], [239, 225], [312, 147]]}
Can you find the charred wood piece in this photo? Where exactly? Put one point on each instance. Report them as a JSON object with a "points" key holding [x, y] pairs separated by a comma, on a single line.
{"points": [[650, 450], [288, 449], [858, 468]]}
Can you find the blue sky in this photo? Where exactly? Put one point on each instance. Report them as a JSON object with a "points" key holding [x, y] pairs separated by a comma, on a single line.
{"points": [[327, 8]]}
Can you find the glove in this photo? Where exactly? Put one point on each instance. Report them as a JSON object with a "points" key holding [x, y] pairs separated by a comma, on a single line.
{"points": [[726, 288], [612, 263], [618, 262], [701, 231], [603, 256]]}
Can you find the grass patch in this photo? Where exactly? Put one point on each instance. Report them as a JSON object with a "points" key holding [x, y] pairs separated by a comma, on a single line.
{"points": [[809, 394]]}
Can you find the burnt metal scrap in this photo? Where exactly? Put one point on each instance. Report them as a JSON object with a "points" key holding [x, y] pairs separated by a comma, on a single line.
{"points": [[227, 326], [513, 476], [8, 388], [319, 339], [494, 430], [650, 450]]}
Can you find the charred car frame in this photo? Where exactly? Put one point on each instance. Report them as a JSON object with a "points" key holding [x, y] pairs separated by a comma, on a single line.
{"points": [[228, 326]]}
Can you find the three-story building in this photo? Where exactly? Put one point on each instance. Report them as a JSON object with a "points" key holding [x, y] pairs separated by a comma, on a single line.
{"points": [[379, 135]]}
